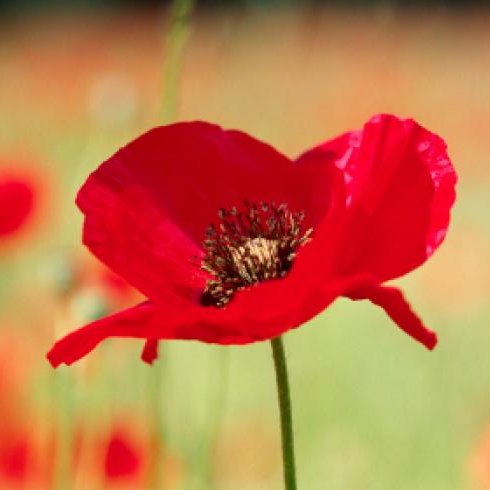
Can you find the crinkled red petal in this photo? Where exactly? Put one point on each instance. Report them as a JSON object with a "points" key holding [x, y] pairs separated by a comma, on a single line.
{"points": [[398, 309], [400, 189]]}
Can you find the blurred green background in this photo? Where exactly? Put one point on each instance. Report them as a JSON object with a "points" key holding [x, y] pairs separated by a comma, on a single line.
{"points": [[373, 410]]}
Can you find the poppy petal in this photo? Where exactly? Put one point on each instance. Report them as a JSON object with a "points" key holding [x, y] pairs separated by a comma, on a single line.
{"points": [[400, 189], [398, 309], [321, 188], [259, 313], [275, 307], [128, 323], [146, 321], [147, 207], [150, 351], [126, 231]]}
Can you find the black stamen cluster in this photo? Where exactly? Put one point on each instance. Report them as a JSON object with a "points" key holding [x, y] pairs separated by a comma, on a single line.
{"points": [[248, 246]]}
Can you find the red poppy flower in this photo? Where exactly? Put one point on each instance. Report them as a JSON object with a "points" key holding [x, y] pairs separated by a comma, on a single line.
{"points": [[232, 242]]}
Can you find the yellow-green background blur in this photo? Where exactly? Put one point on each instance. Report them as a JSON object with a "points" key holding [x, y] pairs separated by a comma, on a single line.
{"points": [[373, 410]]}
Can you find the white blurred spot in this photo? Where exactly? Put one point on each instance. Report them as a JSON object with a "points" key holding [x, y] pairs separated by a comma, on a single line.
{"points": [[112, 100]]}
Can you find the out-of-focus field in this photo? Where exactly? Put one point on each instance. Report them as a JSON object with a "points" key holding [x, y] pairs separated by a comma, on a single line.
{"points": [[373, 410]]}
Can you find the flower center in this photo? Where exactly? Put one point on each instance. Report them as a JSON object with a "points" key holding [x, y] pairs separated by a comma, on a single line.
{"points": [[248, 246]]}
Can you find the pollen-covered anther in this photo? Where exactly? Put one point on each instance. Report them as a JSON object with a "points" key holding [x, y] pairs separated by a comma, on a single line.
{"points": [[250, 246]]}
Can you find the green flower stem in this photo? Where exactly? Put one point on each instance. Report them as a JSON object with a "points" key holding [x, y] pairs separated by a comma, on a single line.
{"points": [[216, 416], [178, 33], [286, 415], [63, 398], [62, 477], [156, 464]]}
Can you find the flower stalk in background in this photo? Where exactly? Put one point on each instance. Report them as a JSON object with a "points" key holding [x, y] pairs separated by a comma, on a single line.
{"points": [[176, 39], [232, 242]]}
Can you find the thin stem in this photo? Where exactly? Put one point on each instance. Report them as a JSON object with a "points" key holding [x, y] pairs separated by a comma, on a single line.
{"points": [[178, 33], [284, 397], [216, 418], [63, 398], [156, 466], [62, 478]]}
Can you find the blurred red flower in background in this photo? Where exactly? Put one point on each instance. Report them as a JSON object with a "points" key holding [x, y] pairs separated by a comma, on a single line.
{"points": [[232, 242], [23, 203], [18, 464], [119, 459], [16, 202], [122, 459], [21, 456], [118, 455]]}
